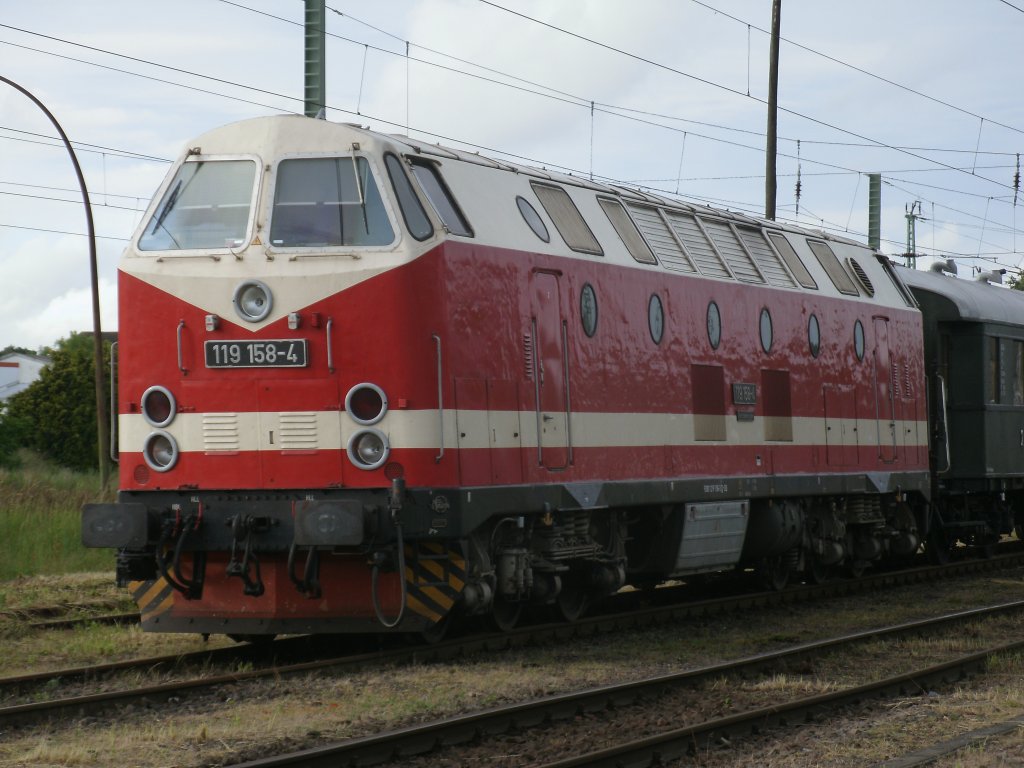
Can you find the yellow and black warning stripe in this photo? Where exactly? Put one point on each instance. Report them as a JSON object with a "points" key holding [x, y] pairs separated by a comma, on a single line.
{"points": [[435, 576], [154, 597]]}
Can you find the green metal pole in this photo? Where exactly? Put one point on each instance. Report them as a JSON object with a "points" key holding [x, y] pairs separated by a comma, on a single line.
{"points": [[316, 57], [875, 211]]}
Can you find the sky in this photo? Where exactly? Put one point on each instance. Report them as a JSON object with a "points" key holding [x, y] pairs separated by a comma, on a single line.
{"points": [[666, 95]]}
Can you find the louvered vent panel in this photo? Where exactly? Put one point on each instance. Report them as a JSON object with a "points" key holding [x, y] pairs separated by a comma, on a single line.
{"points": [[769, 262], [220, 432], [297, 431], [660, 239], [862, 277], [739, 262], [697, 245]]}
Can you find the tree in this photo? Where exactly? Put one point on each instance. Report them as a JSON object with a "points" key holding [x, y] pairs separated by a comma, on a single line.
{"points": [[56, 415], [14, 348], [1016, 281]]}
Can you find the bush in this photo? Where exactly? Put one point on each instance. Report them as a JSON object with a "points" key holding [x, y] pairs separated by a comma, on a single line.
{"points": [[13, 435], [56, 416]]}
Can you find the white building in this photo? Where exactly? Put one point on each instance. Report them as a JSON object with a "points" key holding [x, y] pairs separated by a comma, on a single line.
{"points": [[18, 371]]}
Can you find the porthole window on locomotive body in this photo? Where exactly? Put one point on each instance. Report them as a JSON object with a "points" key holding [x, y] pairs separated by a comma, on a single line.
{"points": [[533, 219], [714, 325], [814, 335], [588, 309], [858, 339], [766, 330], [656, 318]]}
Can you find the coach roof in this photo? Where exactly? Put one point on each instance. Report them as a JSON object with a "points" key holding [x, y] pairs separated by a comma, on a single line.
{"points": [[971, 299]]}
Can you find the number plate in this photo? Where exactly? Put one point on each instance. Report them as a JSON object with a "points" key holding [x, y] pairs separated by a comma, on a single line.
{"points": [[267, 353]]}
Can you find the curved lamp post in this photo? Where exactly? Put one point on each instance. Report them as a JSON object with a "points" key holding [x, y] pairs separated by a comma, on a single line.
{"points": [[97, 338]]}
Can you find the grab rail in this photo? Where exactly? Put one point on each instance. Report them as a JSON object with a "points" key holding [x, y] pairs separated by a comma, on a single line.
{"points": [[440, 396], [181, 359]]}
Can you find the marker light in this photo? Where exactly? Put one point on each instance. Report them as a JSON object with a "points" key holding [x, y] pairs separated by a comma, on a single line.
{"points": [[158, 406]]}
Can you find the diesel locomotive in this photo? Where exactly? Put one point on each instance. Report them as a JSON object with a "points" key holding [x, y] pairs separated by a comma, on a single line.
{"points": [[366, 383]]}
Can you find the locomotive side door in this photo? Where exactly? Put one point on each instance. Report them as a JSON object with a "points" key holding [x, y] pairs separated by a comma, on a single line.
{"points": [[549, 372], [885, 407]]}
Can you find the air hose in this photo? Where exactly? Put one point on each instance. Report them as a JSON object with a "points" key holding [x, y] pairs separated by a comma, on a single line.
{"points": [[401, 580]]}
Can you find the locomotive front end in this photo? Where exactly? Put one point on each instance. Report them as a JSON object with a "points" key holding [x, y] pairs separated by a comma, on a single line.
{"points": [[266, 424]]}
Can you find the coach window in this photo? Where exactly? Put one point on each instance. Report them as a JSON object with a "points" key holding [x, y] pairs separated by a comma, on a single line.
{"points": [[440, 197], [1018, 372], [415, 217], [714, 325], [533, 219], [767, 333], [656, 318], [588, 309], [567, 218], [627, 231], [206, 206], [992, 344], [328, 201], [836, 273], [858, 339], [814, 335], [796, 266]]}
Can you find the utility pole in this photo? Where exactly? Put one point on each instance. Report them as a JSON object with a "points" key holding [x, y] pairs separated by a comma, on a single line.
{"points": [[773, 116], [913, 214], [316, 58]]}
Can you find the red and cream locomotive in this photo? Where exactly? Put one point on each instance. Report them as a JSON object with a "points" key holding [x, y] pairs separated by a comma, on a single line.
{"points": [[366, 382]]}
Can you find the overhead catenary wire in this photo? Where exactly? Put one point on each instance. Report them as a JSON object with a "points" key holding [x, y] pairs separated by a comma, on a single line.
{"points": [[720, 86], [861, 70], [574, 100], [554, 93]]}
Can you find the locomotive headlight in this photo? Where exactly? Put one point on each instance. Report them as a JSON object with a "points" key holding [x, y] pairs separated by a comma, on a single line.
{"points": [[160, 451], [253, 300], [368, 448], [366, 403], [158, 406]]}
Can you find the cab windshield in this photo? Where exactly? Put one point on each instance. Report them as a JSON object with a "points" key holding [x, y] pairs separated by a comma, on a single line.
{"points": [[328, 201], [206, 206]]}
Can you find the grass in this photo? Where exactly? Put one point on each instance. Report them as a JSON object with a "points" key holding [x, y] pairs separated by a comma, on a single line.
{"points": [[40, 513]]}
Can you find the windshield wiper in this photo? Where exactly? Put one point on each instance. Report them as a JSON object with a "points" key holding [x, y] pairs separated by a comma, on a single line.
{"points": [[172, 198]]}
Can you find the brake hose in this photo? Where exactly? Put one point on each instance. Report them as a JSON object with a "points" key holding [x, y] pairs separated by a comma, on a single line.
{"points": [[401, 578]]}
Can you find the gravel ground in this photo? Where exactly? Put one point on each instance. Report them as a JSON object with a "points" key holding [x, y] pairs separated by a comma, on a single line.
{"points": [[247, 721], [863, 736]]}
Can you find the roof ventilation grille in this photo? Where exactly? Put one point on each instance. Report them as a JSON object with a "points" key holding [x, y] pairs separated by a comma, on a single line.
{"points": [[862, 276]]}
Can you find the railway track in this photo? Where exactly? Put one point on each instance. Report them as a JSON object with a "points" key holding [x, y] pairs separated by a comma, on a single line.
{"points": [[68, 615], [930, 754], [623, 611], [425, 740], [271, 661]]}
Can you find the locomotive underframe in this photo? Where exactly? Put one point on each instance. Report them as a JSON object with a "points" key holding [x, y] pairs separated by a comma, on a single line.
{"points": [[543, 544]]}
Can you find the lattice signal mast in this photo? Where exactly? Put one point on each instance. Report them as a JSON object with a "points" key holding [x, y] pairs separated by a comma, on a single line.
{"points": [[913, 214]]}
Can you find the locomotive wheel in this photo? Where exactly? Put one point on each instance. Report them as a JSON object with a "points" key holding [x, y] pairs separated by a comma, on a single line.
{"points": [[817, 572], [437, 632], [505, 615], [774, 572], [572, 603]]}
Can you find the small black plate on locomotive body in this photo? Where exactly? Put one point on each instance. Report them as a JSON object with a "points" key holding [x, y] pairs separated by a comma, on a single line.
{"points": [[264, 353]]}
